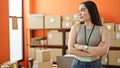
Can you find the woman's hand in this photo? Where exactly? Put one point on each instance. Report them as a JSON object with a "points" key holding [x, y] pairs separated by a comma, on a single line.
{"points": [[79, 47]]}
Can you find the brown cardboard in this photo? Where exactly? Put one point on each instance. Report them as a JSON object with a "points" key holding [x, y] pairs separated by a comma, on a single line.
{"points": [[110, 26], [43, 55], [112, 53], [112, 60], [104, 60], [102, 20], [55, 38], [67, 24], [38, 64], [112, 35], [32, 52], [54, 53], [117, 43], [10, 65], [36, 21], [117, 35], [35, 41], [14, 23], [67, 18], [112, 43], [117, 27], [52, 22]]}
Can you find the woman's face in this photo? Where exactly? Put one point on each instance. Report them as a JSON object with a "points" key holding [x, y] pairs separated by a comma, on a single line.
{"points": [[83, 13]]}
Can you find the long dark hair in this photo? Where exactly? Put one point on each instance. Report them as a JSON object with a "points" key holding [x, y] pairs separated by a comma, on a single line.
{"points": [[93, 11]]}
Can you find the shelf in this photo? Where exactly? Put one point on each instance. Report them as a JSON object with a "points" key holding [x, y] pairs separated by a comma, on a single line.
{"points": [[111, 66], [47, 46], [114, 48]]}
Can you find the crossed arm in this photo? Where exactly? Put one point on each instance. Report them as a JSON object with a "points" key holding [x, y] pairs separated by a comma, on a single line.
{"points": [[77, 49]]}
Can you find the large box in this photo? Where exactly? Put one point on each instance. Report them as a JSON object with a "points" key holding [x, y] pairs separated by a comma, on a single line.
{"points": [[55, 38], [54, 52], [117, 27], [36, 21], [110, 26], [43, 55], [52, 22], [37, 64]]}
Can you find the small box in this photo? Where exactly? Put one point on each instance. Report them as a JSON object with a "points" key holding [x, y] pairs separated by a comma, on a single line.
{"points": [[35, 41], [67, 24], [110, 26], [36, 21], [43, 55], [52, 22], [37, 64], [117, 35], [117, 27], [55, 38], [67, 18]]}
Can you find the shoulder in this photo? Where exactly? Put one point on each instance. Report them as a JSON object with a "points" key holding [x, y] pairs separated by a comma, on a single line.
{"points": [[75, 27], [103, 29]]}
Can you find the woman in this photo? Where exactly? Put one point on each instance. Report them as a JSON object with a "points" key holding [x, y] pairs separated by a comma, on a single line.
{"points": [[89, 40]]}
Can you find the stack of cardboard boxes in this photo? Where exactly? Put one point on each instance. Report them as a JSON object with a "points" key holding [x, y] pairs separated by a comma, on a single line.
{"points": [[113, 55], [42, 59]]}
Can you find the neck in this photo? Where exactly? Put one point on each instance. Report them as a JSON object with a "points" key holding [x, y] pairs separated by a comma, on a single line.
{"points": [[89, 25]]}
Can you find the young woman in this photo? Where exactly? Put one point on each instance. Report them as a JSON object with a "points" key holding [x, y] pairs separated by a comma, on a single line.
{"points": [[89, 40]]}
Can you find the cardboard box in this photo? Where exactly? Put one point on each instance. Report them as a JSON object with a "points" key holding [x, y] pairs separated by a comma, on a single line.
{"points": [[110, 26], [117, 35], [102, 20], [52, 22], [76, 22], [43, 55], [9, 64], [112, 60], [55, 38], [67, 24], [67, 18], [54, 53], [112, 53], [104, 60], [112, 35], [112, 43], [32, 52], [35, 41], [117, 27], [37, 64], [36, 21], [117, 43]]}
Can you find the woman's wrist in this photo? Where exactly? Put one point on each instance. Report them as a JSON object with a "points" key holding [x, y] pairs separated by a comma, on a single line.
{"points": [[85, 48]]}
